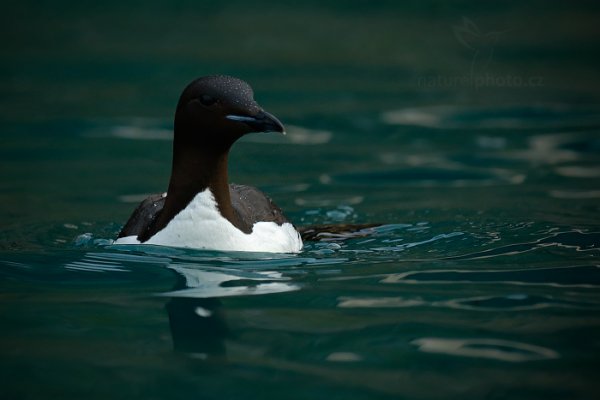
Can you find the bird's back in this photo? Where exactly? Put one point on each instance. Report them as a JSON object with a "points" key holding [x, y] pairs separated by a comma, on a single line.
{"points": [[252, 206]]}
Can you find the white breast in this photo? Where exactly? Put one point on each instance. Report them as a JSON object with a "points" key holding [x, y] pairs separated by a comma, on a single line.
{"points": [[201, 226]]}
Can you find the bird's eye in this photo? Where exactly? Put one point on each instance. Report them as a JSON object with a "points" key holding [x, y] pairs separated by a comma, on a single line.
{"points": [[207, 100]]}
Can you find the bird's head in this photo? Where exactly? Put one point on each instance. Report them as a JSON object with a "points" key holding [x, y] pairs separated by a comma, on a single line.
{"points": [[215, 111]]}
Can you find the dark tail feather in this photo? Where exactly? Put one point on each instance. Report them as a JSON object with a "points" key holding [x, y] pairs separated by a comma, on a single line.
{"points": [[332, 232]]}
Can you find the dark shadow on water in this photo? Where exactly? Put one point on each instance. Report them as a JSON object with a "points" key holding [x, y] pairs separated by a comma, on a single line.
{"points": [[198, 327]]}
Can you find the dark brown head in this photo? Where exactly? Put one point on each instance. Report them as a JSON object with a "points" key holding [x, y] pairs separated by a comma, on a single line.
{"points": [[214, 111]]}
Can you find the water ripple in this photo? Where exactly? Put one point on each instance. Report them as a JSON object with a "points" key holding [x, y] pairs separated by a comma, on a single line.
{"points": [[511, 303], [463, 176], [575, 276], [497, 349], [508, 117], [296, 135], [576, 240], [108, 261], [402, 247]]}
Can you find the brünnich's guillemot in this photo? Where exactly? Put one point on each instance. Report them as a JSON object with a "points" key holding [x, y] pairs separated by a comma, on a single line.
{"points": [[200, 208]]}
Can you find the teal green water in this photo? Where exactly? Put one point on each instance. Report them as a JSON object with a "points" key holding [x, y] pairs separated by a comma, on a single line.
{"points": [[470, 130]]}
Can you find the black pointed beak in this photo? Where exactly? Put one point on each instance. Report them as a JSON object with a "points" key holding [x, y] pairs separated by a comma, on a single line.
{"points": [[261, 122]]}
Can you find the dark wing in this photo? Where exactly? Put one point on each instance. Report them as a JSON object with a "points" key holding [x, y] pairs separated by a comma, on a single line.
{"points": [[143, 216], [251, 206]]}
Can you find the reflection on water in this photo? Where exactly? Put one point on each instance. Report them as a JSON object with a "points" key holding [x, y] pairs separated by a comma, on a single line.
{"points": [[195, 311], [575, 194], [498, 117], [502, 350], [198, 327], [512, 302], [207, 283], [575, 276]]}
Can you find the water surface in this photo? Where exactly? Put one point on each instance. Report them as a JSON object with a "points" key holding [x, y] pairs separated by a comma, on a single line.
{"points": [[481, 282]]}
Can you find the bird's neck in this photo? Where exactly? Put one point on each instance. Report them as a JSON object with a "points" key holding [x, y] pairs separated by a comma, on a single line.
{"points": [[195, 170]]}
